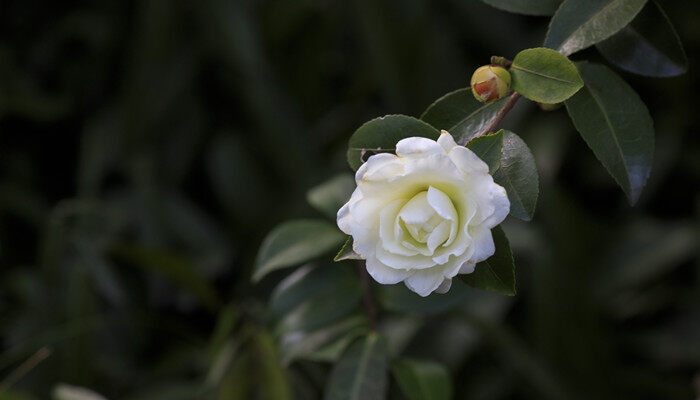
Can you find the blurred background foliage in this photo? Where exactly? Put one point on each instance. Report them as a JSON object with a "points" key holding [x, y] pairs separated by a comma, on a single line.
{"points": [[147, 147]]}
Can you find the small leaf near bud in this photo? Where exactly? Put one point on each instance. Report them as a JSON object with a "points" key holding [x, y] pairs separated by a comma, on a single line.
{"points": [[490, 83]]}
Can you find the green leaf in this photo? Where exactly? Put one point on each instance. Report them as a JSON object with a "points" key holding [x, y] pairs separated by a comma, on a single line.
{"points": [[488, 148], [578, 24], [312, 297], [422, 380], [180, 270], [295, 242], [527, 7], [544, 75], [497, 273], [518, 175], [648, 46], [346, 252], [461, 114], [329, 196], [616, 125], [325, 344], [380, 135], [63, 391], [361, 372]]}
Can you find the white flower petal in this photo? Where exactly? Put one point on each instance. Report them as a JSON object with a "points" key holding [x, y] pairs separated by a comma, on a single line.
{"points": [[397, 261], [417, 210], [467, 161], [482, 243], [441, 204], [425, 281], [383, 274], [446, 141], [417, 146], [467, 268], [388, 234], [444, 286], [439, 235]]}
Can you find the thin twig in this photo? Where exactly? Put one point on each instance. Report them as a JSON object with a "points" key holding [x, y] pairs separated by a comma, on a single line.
{"points": [[367, 300], [24, 368], [502, 113], [502, 61]]}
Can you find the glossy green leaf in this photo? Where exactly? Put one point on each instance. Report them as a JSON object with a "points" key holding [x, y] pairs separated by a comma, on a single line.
{"points": [[312, 297], [346, 252], [616, 125], [544, 75], [422, 380], [380, 135], [295, 242], [361, 373], [518, 175], [461, 114], [497, 273], [488, 148], [578, 24], [648, 46], [527, 7], [329, 196]]}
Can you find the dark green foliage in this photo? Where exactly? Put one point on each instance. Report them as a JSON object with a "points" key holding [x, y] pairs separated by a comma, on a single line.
{"points": [[147, 149]]}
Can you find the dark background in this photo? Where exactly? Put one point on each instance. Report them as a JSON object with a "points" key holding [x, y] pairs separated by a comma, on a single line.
{"points": [[147, 147]]}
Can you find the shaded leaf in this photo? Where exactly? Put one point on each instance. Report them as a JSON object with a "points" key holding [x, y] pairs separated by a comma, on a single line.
{"points": [[63, 391], [616, 125], [361, 372], [380, 135], [648, 46], [329, 196], [461, 114], [527, 7], [488, 148], [544, 75], [578, 24], [178, 269], [518, 175], [295, 242], [346, 252], [400, 299], [497, 273], [325, 344], [422, 380], [312, 297]]}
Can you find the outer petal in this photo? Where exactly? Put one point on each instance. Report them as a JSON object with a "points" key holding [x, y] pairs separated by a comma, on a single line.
{"points": [[425, 281], [417, 146], [383, 274], [483, 244], [444, 286], [446, 141], [468, 162]]}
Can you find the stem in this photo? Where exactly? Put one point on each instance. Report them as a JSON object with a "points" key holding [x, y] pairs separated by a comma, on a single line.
{"points": [[367, 300], [24, 368], [502, 113], [502, 61]]}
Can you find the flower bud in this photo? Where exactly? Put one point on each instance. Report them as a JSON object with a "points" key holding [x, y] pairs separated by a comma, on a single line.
{"points": [[490, 83]]}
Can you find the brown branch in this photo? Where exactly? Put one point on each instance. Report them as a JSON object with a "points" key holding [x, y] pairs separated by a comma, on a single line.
{"points": [[367, 300], [502, 113]]}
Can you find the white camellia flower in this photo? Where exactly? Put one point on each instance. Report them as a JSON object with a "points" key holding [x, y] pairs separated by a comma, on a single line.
{"points": [[423, 215]]}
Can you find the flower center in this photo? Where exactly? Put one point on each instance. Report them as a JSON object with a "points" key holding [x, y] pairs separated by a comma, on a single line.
{"points": [[427, 221]]}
